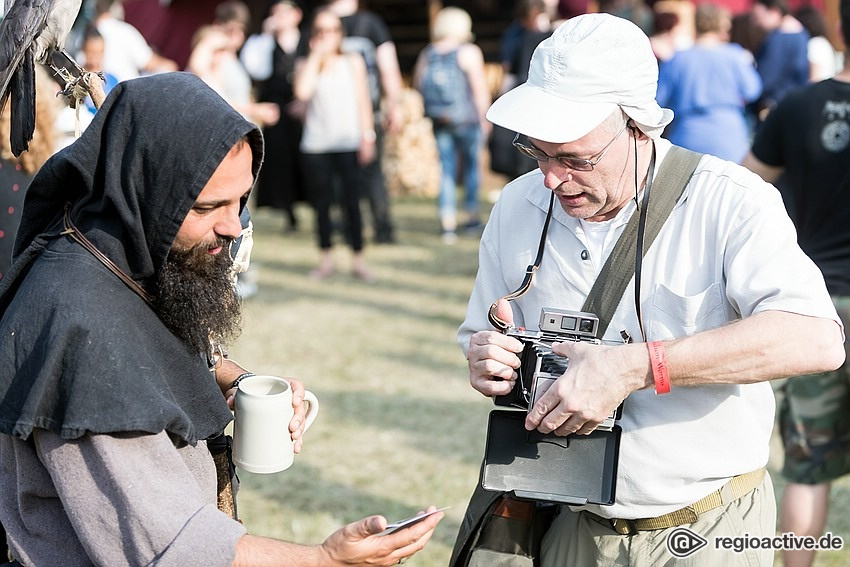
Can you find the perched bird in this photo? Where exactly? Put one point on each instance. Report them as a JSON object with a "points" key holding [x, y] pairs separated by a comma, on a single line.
{"points": [[33, 31]]}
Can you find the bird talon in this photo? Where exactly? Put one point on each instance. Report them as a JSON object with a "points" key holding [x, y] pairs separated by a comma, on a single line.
{"points": [[33, 32]]}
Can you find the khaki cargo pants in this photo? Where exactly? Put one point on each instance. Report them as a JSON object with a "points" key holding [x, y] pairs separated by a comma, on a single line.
{"points": [[577, 539]]}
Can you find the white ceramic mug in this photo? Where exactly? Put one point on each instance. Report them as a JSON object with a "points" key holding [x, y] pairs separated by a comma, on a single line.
{"points": [[262, 442]]}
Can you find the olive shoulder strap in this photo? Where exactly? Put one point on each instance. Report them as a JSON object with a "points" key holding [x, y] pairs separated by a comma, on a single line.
{"points": [[660, 196]]}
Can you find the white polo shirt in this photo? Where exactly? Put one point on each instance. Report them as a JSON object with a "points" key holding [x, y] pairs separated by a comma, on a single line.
{"points": [[727, 251]]}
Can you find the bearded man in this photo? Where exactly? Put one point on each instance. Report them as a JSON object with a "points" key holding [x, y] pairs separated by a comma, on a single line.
{"points": [[120, 283]]}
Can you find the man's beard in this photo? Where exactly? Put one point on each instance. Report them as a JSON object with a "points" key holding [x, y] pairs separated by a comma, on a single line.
{"points": [[195, 296]]}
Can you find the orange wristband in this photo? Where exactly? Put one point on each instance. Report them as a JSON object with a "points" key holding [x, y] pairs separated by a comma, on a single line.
{"points": [[658, 363]]}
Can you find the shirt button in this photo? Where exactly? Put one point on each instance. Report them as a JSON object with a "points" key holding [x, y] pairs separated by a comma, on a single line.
{"points": [[584, 255]]}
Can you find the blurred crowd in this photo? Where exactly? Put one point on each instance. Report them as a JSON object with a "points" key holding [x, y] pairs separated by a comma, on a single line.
{"points": [[722, 69], [723, 66]]}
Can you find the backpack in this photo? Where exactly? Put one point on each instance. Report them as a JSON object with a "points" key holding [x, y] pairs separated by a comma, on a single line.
{"points": [[445, 90], [366, 49], [358, 40]]}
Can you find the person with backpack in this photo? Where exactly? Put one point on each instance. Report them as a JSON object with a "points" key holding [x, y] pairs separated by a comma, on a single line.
{"points": [[449, 73]]}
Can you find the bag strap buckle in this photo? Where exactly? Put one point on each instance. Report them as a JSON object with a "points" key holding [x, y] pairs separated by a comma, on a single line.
{"points": [[623, 527]]}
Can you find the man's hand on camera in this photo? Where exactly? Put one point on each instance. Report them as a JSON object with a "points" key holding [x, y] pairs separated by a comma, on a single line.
{"points": [[493, 362], [595, 383], [493, 357]]}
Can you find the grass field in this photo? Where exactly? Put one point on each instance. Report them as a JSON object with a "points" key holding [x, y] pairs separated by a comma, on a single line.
{"points": [[399, 427]]}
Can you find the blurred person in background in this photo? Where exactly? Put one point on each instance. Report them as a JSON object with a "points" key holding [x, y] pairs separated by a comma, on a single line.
{"points": [[571, 8], [804, 147], [215, 58], [636, 11], [92, 50], [126, 53], [673, 28], [707, 87], [269, 57], [745, 33], [782, 57], [16, 173], [531, 23], [509, 40], [663, 37], [530, 26], [338, 139], [823, 59], [366, 33], [449, 73], [536, 26]]}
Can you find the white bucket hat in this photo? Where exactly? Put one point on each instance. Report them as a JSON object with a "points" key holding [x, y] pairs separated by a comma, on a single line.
{"points": [[578, 76]]}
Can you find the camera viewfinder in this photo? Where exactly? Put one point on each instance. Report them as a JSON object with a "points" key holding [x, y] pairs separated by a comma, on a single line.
{"points": [[568, 323]]}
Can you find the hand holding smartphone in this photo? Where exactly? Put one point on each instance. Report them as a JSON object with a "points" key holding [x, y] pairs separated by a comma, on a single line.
{"points": [[395, 526]]}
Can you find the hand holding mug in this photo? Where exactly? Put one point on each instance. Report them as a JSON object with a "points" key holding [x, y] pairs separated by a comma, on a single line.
{"points": [[299, 408], [268, 428], [299, 416]]}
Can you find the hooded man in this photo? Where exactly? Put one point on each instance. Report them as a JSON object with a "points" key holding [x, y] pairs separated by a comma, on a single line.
{"points": [[121, 281], [721, 301]]}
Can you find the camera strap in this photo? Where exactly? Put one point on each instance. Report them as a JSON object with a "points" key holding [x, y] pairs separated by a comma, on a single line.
{"points": [[660, 195], [497, 321], [639, 234]]}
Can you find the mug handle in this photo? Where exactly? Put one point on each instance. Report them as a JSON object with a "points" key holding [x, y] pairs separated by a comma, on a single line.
{"points": [[312, 410]]}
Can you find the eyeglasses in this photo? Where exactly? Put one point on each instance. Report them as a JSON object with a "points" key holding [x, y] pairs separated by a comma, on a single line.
{"points": [[575, 164]]}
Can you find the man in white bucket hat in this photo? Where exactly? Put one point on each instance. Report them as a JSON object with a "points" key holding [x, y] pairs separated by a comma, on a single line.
{"points": [[726, 302]]}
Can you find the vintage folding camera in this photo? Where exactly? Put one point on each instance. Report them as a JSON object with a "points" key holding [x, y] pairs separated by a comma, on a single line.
{"points": [[539, 366]]}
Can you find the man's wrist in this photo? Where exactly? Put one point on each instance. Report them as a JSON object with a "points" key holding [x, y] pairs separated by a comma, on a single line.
{"points": [[235, 383], [658, 367], [632, 366], [326, 557]]}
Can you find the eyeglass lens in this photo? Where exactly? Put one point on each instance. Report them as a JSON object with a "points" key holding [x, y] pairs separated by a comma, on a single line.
{"points": [[576, 164]]}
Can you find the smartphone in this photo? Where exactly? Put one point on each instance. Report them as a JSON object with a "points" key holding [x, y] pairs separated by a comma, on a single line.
{"points": [[395, 526]]}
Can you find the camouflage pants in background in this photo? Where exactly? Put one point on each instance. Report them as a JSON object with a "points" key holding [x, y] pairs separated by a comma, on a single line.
{"points": [[814, 420]]}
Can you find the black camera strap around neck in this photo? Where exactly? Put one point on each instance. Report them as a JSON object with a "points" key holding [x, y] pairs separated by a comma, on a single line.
{"points": [[529, 273], [639, 234]]}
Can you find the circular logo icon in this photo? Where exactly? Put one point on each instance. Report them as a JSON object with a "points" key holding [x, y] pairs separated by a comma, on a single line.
{"points": [[682, 542], [835, 136]]}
